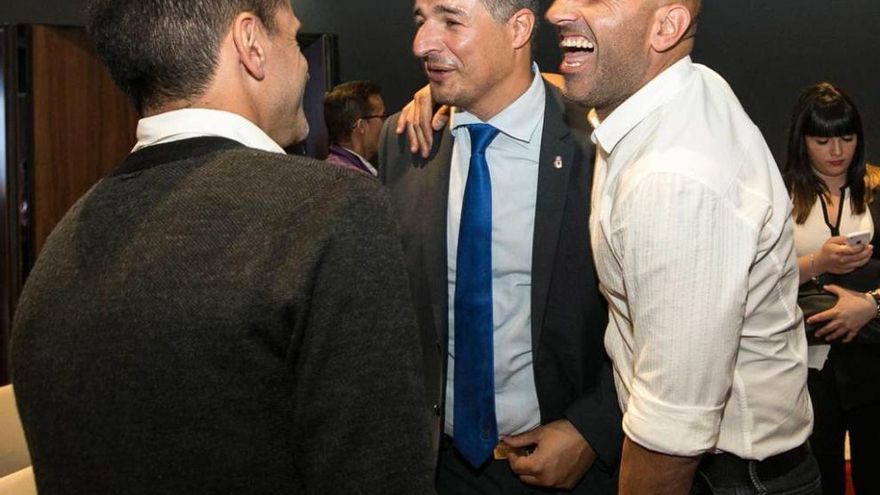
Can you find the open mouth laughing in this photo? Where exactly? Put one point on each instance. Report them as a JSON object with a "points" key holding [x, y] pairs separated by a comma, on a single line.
{"points": [[575, 50]]}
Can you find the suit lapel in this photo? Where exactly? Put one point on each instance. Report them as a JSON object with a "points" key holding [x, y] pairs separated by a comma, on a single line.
{"points": [[554, 170], [436, 196]]}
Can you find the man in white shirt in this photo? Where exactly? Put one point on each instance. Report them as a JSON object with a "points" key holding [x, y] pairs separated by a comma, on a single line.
{"points": [[692, 238], [217, 316]]}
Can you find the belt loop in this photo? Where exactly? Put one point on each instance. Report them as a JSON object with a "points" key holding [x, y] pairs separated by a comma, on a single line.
{"points": [[756, 481]]}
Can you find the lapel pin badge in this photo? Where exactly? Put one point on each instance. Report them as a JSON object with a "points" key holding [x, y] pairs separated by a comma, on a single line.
{"points": [[557, 162]]}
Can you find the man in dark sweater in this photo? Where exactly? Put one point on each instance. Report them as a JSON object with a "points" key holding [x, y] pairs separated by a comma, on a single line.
{"points": [[216, 316]]}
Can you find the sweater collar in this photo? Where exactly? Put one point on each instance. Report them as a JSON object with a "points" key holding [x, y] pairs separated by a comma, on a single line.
{"points": [[160, 154]]}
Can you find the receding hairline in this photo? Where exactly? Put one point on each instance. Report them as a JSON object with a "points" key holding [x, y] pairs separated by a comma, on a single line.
{"points": [[445, 8]]}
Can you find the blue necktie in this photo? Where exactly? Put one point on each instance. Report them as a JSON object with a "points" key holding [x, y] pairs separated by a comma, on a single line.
{"points": [[475, 429]]}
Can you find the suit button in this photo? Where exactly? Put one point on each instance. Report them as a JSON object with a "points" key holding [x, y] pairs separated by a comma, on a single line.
{"points": [[437, 409]]}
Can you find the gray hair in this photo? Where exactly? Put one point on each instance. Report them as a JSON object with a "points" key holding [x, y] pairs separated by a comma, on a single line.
{"points": [[503, 10]]}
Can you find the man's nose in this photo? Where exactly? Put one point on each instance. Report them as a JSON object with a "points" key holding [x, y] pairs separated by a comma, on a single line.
{"points": [[425, 41], [558, 12]]}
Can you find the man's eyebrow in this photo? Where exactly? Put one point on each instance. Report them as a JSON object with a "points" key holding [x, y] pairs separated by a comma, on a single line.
{"points": [[443, 9], [446, 9]]}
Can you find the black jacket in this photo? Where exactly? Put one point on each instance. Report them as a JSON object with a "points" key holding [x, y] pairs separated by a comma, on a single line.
{"points": [[572, 372]]}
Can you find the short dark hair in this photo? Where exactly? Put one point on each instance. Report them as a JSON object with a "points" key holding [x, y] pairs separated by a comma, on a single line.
{"points": [[503, 10], [345, 104], [822, 111], [164, 50]]}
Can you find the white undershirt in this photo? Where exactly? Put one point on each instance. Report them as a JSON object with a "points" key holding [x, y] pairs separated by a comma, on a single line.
{"points": [[187, 123]]}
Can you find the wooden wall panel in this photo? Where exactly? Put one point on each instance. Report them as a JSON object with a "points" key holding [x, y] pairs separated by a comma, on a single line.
{"points": [[83, 124], [10, 284]]}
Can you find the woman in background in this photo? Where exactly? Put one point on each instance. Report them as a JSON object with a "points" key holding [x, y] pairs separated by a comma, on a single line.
{"points": [[836, 194]]}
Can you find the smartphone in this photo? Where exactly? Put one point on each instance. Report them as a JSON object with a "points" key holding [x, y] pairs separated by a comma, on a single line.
{"points": [[858, 238]]}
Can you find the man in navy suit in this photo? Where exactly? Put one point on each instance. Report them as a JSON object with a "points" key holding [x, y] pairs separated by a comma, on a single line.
{"points": [[554, 410]]}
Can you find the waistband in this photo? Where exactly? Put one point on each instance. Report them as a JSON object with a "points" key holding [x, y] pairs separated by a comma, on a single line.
{"points": [[728, 467]]}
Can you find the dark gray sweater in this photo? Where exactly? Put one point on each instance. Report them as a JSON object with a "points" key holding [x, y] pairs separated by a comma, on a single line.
{"points": [[216, 319]]}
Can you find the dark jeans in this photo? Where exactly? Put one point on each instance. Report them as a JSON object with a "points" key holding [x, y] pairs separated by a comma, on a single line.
{"points": [[801, 479], [832, 423]]}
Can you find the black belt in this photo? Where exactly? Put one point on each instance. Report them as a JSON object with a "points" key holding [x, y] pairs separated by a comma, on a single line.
{"points": [[729, 467]]}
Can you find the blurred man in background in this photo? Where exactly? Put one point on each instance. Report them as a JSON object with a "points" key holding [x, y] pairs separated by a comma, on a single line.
{"points": [[354, 112]]}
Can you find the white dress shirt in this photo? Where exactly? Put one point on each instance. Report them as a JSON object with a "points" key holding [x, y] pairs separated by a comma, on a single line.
{"points": [[186, 123], [692, 235], [812, 234], [513, 167]]}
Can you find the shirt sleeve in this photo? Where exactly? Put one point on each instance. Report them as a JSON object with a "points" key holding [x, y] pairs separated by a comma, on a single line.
{"points": [[686, 255]]}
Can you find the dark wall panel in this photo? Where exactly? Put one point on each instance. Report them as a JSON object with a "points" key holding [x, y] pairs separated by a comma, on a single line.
{"points": [[43, 12], [374, 41], [770, 50], [767, 50]]}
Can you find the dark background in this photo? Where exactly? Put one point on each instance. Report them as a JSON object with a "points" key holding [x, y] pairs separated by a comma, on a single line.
{"points": [[767, 49]]}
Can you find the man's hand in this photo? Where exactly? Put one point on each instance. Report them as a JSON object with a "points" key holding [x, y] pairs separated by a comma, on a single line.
{"points": [[554, 79], [560, 459], [419, 121]]}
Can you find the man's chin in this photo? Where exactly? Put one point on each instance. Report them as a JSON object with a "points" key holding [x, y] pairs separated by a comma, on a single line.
{"points": [[576, 88], [443, 94]]}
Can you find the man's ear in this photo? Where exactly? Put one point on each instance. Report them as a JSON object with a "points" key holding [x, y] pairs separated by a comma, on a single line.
{"points": [[672, 22], [360, 126], [249, 36], [522, 25]]}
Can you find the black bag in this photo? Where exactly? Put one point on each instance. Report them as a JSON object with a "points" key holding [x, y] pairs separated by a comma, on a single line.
{"points": [[812, 299]]}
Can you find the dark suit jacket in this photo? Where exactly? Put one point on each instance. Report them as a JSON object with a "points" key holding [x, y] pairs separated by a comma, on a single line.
{"points": [[572, 372]]}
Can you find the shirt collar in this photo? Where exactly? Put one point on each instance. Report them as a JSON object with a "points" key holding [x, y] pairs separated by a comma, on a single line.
{"points": [[607, 133], [366, 163], [187, 123], [520, 119]]}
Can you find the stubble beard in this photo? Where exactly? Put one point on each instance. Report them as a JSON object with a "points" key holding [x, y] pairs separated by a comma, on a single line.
{"points": [[442, 96], [604, 89]]}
